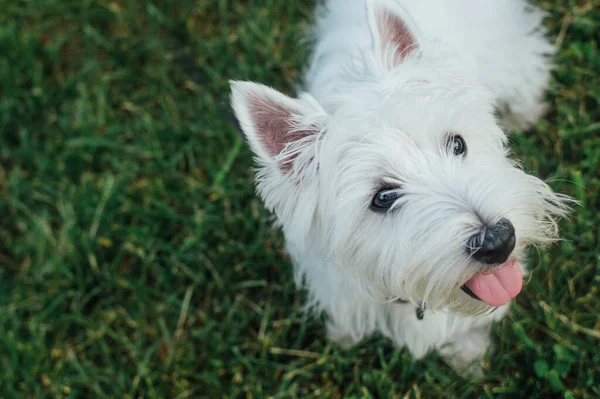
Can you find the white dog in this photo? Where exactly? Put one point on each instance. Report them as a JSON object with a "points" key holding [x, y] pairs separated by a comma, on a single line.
{"points": [[390, 177]]}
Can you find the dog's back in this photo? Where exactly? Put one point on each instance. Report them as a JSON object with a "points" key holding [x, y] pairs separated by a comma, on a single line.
{"points": [[505, 45]]}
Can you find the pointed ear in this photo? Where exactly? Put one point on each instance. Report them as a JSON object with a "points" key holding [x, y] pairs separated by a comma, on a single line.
{"points": [[391, 26], [273, 122]]}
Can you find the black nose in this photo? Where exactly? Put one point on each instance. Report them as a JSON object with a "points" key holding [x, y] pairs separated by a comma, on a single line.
{"points": [[494, 245]]}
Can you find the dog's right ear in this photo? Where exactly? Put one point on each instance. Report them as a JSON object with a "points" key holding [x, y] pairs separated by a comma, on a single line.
{"points": [[277, 128], [391, 27]]}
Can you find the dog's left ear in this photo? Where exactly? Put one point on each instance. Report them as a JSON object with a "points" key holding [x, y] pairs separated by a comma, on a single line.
{"points": [[278, 129], [391, 26]]}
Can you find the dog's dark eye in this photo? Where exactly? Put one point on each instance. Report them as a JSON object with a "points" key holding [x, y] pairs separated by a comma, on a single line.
{"points": [[457, 145], [384, 199]]}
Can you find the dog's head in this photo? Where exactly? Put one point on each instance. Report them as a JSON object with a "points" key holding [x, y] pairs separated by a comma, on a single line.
{"points": [[401, 175]]}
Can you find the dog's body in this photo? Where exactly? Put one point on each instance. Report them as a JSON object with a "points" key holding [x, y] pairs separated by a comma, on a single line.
{"points": [[502, 41], [391, 180]]}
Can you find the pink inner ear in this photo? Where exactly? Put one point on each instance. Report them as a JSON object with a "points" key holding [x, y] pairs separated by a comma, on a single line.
{"points": [[393, 30], [273, 125]]}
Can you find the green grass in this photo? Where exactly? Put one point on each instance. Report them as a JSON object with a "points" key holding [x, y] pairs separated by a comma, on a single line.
{"points": [[136, 261]]}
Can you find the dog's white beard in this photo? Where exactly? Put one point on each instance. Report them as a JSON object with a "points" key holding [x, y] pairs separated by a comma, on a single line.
{"points": [[419, 254]]}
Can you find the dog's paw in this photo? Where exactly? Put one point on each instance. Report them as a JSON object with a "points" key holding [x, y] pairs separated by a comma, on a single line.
{"points": [[340, 336], [467, 367], [466, 354]]}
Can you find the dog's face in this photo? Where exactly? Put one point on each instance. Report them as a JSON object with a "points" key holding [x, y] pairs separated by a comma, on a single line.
{"points": [[403, 180]]}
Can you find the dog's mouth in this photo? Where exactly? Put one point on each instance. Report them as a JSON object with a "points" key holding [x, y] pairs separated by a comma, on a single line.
{"points": [[498, 287]]}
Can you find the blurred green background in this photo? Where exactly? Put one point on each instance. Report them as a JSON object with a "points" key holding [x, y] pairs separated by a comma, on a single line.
{"points": [[136, 261]]}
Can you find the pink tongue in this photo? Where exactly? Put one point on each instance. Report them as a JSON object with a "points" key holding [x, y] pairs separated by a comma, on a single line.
{"points": [[498, 287]]}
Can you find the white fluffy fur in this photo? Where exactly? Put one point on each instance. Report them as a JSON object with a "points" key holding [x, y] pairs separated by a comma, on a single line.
{"points": [[373, 115]]}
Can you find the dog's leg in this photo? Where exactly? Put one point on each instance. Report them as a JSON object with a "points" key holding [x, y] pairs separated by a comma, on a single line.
{"points": [[347, 325], [341, 336], [465, 353]]}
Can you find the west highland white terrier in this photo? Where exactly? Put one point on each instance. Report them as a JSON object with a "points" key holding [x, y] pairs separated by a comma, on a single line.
{"points": [[390, 176]]}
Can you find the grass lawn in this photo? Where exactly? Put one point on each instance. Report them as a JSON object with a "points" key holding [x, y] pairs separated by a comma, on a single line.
{"points": [[136, 261]]}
